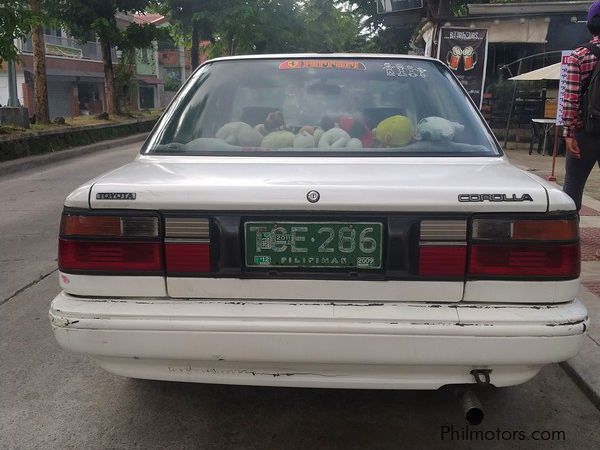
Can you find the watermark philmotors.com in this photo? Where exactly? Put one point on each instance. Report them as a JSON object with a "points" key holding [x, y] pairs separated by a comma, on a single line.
{"points": [[451, 433]]}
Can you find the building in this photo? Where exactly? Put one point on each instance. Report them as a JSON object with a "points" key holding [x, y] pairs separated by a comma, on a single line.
{"points": [[522, 36], [75, 72], [518, 30], [174, 62], [75, 75]]}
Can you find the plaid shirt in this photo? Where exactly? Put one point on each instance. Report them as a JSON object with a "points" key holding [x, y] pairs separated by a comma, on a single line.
{"points": [[580, 66]]}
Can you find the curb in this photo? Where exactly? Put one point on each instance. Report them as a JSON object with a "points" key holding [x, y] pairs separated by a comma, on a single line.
{"points": [[29, 162], [584, 368], [576, 373]]}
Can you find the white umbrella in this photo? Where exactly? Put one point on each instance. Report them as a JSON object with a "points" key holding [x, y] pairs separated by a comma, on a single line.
{"points": [[545, 73]]}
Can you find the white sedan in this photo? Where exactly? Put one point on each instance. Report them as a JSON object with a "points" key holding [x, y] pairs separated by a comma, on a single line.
{"points": [[344, 221]]}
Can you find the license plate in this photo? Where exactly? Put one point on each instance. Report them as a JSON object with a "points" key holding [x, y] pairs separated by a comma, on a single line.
{"points": [[340, 245]]}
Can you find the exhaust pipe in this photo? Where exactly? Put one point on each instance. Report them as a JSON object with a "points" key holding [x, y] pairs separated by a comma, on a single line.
{"points": [[471, 406]]}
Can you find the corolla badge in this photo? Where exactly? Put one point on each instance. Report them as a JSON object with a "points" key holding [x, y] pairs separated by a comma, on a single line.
{"points": [[494, 198], [313, 196]]}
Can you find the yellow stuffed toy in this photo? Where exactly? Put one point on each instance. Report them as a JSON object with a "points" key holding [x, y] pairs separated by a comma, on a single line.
{"points": [[395, 131]]}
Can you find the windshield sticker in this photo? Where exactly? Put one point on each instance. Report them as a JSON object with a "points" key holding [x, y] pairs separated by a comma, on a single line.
{"points": [[401, 70], [321, 64]]}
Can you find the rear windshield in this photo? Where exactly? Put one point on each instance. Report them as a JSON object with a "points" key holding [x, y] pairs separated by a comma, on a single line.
{"points": [[352, 107]]}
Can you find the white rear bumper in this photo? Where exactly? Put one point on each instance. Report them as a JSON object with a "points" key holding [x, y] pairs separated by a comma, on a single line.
{"points": [[312, 344]]}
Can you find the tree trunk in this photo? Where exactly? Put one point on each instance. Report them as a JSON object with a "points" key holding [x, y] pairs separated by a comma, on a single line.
{"points": [[40, 90], [444, 9], [231, 45], [195, 44], [109, 77]]}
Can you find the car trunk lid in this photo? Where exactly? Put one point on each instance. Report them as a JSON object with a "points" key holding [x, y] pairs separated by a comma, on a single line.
{"points": [[345, 184], [400, 193]]}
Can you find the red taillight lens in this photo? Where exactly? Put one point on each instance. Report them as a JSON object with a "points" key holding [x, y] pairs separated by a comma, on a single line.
{"points": [[120, 244], [442, 261], [524, 248], [109, 256], [187, 258], [518, 261]]}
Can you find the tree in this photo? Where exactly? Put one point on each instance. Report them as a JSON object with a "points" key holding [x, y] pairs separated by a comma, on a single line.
{"points": [[330, 28], [266, 26], [15, 22], [40, 91], [86, 19], [197, 17]]}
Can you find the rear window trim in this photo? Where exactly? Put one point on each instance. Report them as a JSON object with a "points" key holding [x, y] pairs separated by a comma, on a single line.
{"points": [[320, 153]]}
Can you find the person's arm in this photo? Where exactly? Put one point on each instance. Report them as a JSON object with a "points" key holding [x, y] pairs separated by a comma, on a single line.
{"points": [[571, 96], [571, 102]]}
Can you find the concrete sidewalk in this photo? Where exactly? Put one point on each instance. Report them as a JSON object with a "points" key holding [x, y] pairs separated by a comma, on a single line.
{"points": [[585, 367]]}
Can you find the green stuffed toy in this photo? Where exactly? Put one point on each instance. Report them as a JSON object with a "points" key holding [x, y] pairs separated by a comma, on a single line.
{"points": [[239, 133], [395, 131], [304, 140], [278, 139]]}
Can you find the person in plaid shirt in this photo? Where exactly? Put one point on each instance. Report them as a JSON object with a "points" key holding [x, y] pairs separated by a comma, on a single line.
{"points": [[583, 149]]}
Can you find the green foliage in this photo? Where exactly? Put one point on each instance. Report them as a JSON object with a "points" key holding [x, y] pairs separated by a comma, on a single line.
{"points": [[124, 80], [171, 84], [266, 26], [86, 19], [15, 22]]}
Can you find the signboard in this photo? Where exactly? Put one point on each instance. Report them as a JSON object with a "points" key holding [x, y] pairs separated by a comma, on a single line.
{"points": [[390, 6], [61, 50], [464, 50], [560, 106]]}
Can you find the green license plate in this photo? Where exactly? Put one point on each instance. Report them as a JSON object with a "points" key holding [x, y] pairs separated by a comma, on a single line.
{"points": [[339, 245]]}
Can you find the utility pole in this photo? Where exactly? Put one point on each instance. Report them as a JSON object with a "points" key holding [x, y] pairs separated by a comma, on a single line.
{"points": [[13, 97]]}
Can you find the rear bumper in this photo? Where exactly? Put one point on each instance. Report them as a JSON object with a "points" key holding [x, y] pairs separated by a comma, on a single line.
{"points": [[312, 344]]}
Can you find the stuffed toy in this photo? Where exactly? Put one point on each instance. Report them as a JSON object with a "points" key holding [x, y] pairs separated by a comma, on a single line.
{"points": [[334, 137], [318, 134], [356, 128], [338, 138], [304, 140], [395, 131], [240, 134], [273, 122], [354, 143], [352, 125], [437, 128], [278, 139]]}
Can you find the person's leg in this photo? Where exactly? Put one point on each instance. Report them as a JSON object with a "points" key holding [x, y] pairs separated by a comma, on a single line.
{"points": [[578, 169]]}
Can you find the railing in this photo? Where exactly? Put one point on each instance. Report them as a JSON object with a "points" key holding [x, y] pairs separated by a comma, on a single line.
{"points": [[67, 47]]}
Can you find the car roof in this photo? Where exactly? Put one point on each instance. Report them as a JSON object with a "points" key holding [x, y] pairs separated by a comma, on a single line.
{"points": [[321, 55]]}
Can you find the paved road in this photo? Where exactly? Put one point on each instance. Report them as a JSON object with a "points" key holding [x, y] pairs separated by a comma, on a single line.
{"points": [[54, 399], [30, 215]]}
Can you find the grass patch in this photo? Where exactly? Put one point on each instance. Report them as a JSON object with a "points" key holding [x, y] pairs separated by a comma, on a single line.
{"points": [[82, 121], [56, 138]]}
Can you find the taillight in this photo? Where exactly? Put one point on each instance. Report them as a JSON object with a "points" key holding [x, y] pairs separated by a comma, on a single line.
{"points": [[133, 244], [442, 261], [443, 249], [524, 248], [110, 244], [187, 245]]}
